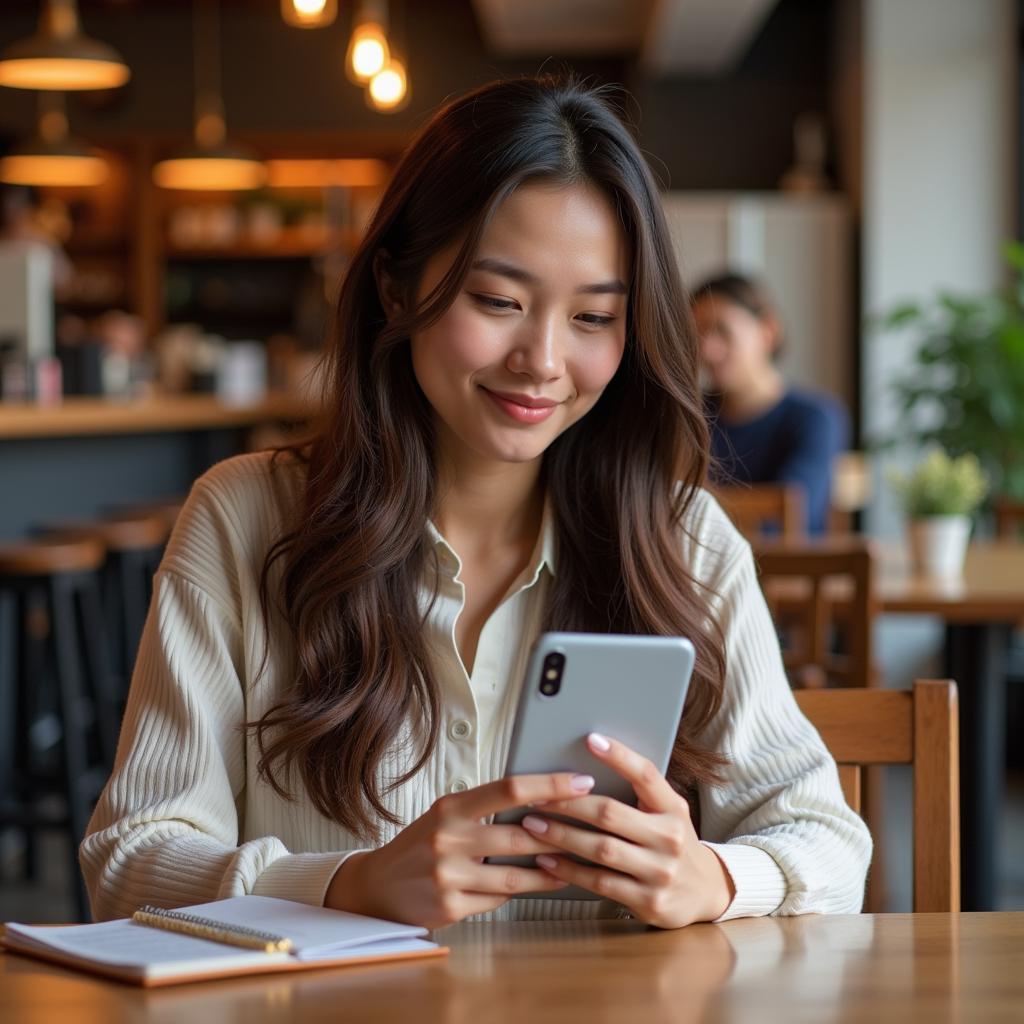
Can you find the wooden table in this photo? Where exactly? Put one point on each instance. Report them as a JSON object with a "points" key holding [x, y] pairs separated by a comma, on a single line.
{"points": [[979, 610], [898, 967]]}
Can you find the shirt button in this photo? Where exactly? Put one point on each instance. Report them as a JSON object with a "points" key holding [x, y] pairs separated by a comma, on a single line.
{"points": [[460, 729], [460, 785]]}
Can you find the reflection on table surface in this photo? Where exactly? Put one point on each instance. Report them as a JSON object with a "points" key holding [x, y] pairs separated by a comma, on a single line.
{"points": [[850, 968]]}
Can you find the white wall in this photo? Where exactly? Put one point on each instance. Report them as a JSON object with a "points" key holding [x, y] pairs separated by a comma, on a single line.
{"points": [[938, 169]]}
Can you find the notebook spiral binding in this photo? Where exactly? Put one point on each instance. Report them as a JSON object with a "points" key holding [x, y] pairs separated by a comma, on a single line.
{"points": [[205, 927]]}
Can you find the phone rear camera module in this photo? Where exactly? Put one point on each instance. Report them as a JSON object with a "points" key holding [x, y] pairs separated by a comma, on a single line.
{"points": [[551, 674]]}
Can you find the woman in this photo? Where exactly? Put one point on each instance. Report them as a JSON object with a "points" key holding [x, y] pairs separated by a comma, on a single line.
{"points": [[324, 693], [762, 429]]}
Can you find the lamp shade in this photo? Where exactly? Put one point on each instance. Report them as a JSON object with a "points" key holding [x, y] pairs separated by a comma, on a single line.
{"points": [[218, 168], [62, 162], [59, 57]]}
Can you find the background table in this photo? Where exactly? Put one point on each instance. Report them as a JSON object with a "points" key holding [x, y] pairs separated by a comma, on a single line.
{"points": [[898, 967], [979, 610]]}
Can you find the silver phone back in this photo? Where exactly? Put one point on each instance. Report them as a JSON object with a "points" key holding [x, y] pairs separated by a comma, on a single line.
{"points": [[631, 688]]}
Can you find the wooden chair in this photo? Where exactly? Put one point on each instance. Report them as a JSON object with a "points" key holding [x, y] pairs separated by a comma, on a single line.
{"points": [[1009, 518], [818, 591], [758, 508], [919, 728], [821, 595]]}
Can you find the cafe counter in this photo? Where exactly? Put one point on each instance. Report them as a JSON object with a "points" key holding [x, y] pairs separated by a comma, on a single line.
{"points": [[84, 456]]}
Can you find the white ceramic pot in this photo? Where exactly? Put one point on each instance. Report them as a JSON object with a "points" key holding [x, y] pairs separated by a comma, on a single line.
{"points": [[938, 544]]}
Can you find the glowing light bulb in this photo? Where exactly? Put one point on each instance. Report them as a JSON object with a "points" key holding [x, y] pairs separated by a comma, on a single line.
{"points": [[389, 88], [368, 52], [309, 13]]}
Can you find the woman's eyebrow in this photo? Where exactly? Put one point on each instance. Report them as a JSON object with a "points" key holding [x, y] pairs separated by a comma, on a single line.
{"points": [[510, 270]]}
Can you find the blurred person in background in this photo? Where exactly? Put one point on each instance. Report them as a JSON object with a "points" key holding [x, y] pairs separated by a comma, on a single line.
{"points": [[763, 430]]}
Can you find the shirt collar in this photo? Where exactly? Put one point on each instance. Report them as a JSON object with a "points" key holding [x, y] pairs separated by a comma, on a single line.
{"points": [[543, 555]]}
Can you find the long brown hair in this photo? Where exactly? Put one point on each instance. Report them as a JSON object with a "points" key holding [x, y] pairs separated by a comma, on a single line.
{"points": [[356, 555]]}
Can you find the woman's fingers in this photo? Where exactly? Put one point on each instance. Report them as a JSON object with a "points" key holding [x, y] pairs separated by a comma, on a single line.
{"points": [[649, 784], [607, 850], [505, 879], [610, 885], [504, 841], [514, 791], [604, 813]]}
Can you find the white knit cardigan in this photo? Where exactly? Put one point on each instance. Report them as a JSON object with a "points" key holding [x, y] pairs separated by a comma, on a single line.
{"points": [[185, 818]]}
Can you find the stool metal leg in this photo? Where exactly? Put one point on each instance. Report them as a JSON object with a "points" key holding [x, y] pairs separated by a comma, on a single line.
{"points": [[76, 717], [107, 707]]}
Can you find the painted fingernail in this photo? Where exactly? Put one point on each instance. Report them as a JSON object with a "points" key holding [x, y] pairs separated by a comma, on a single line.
{"points": [[599, 742], [535, 824], [547, 862], [582, 783]]}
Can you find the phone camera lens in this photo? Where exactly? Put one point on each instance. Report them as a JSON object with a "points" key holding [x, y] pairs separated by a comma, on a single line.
{"points": [[551, 674]]}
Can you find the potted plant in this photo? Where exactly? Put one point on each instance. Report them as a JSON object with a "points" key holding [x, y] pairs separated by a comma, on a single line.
{"points": [[964, 390], [939, 497]]}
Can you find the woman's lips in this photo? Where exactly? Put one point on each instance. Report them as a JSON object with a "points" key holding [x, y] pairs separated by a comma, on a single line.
{"points": [[515, 407]]}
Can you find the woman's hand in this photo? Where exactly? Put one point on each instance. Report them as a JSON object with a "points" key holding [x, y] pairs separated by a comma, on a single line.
{"points": [[432, 873], [650, 858]]}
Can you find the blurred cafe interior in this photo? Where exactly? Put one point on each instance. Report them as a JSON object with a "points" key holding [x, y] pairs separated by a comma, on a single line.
{"points": [[181, 194]]}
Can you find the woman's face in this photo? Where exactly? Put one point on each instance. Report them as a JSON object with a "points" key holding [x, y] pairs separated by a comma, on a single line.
{"points": [[537, 330], [736, 346]]}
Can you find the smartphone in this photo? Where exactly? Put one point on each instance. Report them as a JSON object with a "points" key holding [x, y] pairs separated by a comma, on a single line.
{"points": [[631, 688]]}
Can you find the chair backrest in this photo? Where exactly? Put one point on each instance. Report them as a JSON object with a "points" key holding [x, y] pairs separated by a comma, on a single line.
{"points": [[761, 509], [821, 595], [919, 728], [1009, 518]]}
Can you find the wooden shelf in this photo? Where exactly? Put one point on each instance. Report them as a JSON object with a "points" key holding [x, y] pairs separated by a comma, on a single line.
{"points": [[291, 243]]}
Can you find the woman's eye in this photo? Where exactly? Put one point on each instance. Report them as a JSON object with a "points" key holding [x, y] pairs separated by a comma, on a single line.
{"points": [[493, 303], [596, 320]]}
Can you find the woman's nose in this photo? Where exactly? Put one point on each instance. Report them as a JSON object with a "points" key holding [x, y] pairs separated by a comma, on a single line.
{"points": [[539, 349]]}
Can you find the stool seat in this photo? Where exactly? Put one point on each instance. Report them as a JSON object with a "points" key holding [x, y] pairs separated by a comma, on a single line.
{"points": [[121, 533], [51, 555]]}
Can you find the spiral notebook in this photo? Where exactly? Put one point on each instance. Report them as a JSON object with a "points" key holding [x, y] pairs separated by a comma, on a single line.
{"points": [[145, 955]]}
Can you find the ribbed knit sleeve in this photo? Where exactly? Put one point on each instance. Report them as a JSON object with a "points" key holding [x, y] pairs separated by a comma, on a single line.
{"points": [[780, 822], [165, 830]]}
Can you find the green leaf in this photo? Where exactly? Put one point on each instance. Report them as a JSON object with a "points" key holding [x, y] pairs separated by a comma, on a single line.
{"points": [[1013, 253]]}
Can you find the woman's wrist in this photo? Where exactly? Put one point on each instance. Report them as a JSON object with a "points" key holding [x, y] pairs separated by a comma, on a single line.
{"points": [[720, 888], [347, 886]]}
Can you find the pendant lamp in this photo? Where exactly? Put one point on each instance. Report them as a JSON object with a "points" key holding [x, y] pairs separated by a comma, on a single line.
{"points": [[388, 90], [309, 13], [53, 157], [212, 163], [59, 57], [368, 49]]}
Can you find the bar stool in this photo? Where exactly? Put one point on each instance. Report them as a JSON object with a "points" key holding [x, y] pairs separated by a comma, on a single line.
{"points": [[57, 721], [134, 544], [167, 509]]}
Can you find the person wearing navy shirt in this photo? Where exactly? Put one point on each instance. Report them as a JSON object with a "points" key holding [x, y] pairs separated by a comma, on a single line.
{"points": [[762, 429]]}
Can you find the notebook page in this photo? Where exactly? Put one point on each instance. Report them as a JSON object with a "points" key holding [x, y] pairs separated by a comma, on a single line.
{"points": [[148, 951], [314, 931]]}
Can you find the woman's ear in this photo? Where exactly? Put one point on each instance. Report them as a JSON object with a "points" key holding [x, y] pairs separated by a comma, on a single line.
{"points": [[387, 286], [772, 328]]}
